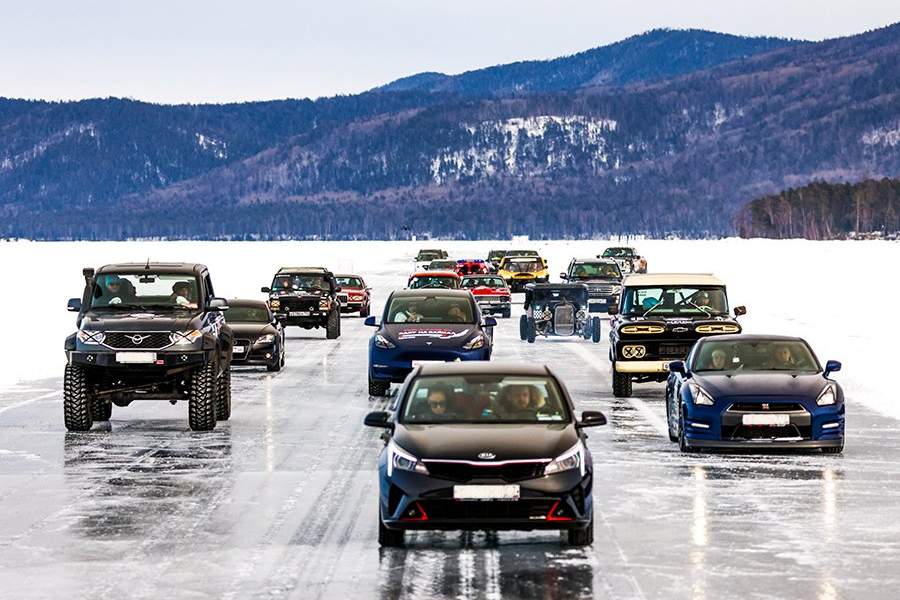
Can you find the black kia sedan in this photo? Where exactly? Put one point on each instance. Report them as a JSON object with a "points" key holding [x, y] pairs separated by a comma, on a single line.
{"points": [[258, 336], [484, 446]]}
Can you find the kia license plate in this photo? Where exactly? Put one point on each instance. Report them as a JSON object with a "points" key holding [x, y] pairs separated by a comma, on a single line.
{"points": [[772, 420], [141, 358], [240, 349], [486, 492]]}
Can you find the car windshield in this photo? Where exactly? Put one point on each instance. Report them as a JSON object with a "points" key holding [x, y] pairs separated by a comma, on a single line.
{"points": [[496, 254], [299, 281], [523, 266], [430, 309], [145, 290], [488, 399], [247, 314], [491, 282], [617, 253], [573, 294], [442, 265], [436, 281], [685, 301], [521, 253], [596, 270], [353, 282], [427, 255], [755, 356]]}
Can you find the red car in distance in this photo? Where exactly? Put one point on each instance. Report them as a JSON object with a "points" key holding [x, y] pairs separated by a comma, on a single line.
{"points": [[354, 295], [492, 294], [472, 266], [433, 279]]}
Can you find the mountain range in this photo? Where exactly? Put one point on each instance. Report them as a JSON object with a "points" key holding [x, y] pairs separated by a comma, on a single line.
{"points": [[666, 132]]}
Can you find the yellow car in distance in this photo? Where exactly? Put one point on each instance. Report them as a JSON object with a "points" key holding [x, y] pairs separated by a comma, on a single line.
{"points": [[518, 271]]}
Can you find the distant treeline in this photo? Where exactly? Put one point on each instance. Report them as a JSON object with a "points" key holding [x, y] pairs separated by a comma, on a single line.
{"points": [[824, 211]]}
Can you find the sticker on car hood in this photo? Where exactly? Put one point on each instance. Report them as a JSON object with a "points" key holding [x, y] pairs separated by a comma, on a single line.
{"points": [[439, 333]]}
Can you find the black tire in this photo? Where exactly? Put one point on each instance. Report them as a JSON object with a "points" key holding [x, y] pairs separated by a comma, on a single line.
{"points": [[333, 326], [389, 538], [595, 330], [364, 312], [682, 441], [507, 313], [223, 397], [673, 437], [203, 399], [101, 409], [833, 450], [530, 333], [582, 537], [586, 329], [523, 327], [378, 388], [77, 401], [278, 364], [621, 384]]}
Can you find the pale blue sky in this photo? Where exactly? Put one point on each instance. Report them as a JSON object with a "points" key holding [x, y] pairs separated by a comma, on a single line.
{"points": [[229, 50]]}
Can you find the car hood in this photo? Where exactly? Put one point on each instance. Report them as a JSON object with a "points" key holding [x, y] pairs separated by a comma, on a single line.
{"points": [[436, 335], [251, 330], [808, 385], [488, 291], [139, 321], [506, 442]]}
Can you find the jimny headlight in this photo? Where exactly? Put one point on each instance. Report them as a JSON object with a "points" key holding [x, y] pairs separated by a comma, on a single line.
{"points": [[91, 337], [573, 458], [475, 343], [274, 304], [700, 395], [828, 396], [185, 338], [398, 458], [266, 339], [323, 304], [383, 342]]}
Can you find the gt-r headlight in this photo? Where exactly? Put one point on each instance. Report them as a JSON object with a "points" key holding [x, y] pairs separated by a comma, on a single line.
{"points": [[828, 396], [700, 395], [266, 339], [91, 337], [475, 343], [185, 338], [383, 342], [398, 458], [573, 458]]}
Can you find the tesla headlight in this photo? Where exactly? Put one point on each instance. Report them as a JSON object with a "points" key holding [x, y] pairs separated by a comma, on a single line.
{"points": [[828, 396], [700, 395], [383, 342], [91, 337], [475, 343], [266, 339], [398, 458], [573, 458], [185, 338]]}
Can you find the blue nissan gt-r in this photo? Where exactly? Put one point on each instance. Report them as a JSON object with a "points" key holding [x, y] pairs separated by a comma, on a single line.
{"points": [[425, 325], [757, 391]]}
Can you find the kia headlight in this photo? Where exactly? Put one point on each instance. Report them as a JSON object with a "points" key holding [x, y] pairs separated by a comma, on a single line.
{"points": [[700, 395], [91, 337], [266, 339], [383, 342], [185, 338], [828, 396], [398, 458], [573, 458], [475, 343]]}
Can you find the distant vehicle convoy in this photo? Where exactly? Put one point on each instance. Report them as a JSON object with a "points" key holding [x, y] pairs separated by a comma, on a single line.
{"points": [[469, 444]]}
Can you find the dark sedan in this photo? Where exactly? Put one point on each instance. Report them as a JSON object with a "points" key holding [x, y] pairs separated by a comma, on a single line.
{"points": [[258, 337], [754, 391], [484, 446]]}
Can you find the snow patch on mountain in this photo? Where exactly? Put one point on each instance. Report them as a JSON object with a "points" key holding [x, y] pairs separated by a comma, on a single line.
{"points": [[217, 148], [882, 136], [8, 163]]}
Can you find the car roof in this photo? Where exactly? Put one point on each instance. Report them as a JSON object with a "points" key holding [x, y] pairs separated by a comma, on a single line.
{"points": [[751, 337], [318, 270], [483, 367], [433, 292], [594, 259], [557, 286], [435, 273], [348, 275], [170, 267], [246, 302], [481, 276], [655, 279]]}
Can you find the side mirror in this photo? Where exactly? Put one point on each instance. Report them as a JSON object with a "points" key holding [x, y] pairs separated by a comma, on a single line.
{"points": [[337, 289], [677, 366], [563, 276], [591, 418], [832, 366], [740, 311], [612, 309], [490, 322], [74, 305], [378, 418], [370, 322], [219, 304], [265, 290]]}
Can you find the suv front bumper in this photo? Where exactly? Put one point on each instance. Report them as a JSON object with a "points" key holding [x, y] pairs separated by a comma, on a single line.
{"points": [[162, 360]]}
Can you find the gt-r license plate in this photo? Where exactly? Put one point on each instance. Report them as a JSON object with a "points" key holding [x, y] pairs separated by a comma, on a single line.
{"points": [[142, 358], [299, 313], [776, 420], [486, 492]]}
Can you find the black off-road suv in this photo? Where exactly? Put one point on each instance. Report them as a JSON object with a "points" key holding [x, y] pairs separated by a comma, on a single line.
{"points": [[153, 331], [307, 297]]}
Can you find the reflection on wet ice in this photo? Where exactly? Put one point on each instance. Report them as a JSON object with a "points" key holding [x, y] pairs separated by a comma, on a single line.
{"points": [[699, 533]]}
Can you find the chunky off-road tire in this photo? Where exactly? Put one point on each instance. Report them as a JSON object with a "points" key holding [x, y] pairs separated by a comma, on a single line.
{"points": [[582, 537], [621, 384], [223, 397], [595, 330], [77, 402], [101, 409], [530, 333], [833, 450], [378, 388], [203, 399], [523, 327], [507, 313], [389, 538], [364, 311], [333, 326]]}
